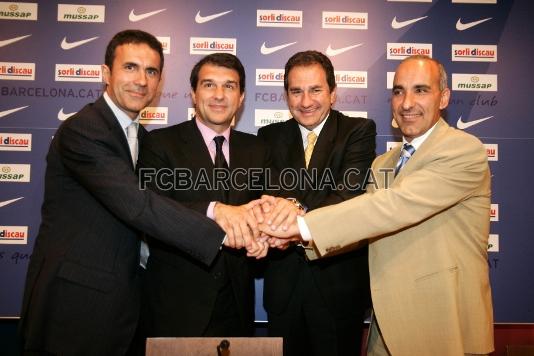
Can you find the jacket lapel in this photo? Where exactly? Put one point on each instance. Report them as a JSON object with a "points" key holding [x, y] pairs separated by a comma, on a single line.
{"points": [[115, 128]]}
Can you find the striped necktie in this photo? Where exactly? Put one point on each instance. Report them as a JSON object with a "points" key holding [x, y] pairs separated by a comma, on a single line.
{"points": [[407, 152]]}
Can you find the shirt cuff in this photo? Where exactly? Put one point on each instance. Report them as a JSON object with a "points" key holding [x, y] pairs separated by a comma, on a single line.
{"points": [[209, 212], [303, 228]]}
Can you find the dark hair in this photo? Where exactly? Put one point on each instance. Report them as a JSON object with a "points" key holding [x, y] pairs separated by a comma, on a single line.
{"points": [[226, 60], [308, 58], [136, 37]]}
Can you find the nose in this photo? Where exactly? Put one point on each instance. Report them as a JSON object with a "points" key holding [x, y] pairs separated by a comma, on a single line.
{"points": [[219, 92], [408, 101], [306, 99], [141, 78]]}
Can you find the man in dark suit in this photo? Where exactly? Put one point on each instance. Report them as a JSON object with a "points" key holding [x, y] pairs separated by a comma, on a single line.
{"points": [[82, 294], [184, 297], [318, 307]]}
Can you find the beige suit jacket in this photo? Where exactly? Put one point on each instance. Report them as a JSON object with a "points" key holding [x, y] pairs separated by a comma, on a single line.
{"points": [[428, 245]]}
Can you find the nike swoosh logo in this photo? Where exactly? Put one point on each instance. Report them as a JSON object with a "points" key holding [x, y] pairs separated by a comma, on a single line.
{"points": [[70, 45], [334, 52], [268, 50], [7, 202], [62, 116], [12, 40], [400, 24], [464, 26], [134, 18], [11, 111], [465, 125], [202, 19]]}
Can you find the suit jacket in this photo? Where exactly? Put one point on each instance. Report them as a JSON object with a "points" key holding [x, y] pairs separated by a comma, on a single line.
{"points": [[428, 251], [344, 144], [181, 291], [82, 290]]}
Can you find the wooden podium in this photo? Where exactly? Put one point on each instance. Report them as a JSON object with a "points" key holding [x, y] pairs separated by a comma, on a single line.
{"points": [[213, 346]]}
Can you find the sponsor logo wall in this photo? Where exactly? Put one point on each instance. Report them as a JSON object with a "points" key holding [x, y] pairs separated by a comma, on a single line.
{"points": [[50, 57]]}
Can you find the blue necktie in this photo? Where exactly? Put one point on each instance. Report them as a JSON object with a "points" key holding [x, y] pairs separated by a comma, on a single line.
{"points": [[407, 152]]}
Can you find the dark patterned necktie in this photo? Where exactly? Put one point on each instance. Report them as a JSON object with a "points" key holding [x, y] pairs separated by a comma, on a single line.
{"points": [[220, 163]]}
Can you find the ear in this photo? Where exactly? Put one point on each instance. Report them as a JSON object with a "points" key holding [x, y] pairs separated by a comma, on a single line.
{"points": [[333, 96], [193, 97], [241, 98], [106, 74], [444, 100]]}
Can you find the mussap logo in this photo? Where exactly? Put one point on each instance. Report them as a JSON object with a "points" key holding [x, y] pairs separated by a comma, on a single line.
{"points": [[17, 71], [14, 235], [351, 79], [473, 53], [400, 51], [208, 45], [270, 77], [474, 82], [494, 212], [493, 243], [355, 113], [19, 173], [264, 117], [78, 73], [154, 115], [18, 11], [345, 20], [165, 43], [492, 149], [81, 13], [15, 142], [278, 18]]}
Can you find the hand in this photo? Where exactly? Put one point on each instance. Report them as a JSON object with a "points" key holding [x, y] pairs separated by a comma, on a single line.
{"points": [[279, 212], [261, 250], [239, 224]]}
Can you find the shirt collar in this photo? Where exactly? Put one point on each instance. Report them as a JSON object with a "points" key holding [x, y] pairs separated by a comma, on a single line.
{"points": [[304, 131], [123, 119], [418, 141], [208, 134]]}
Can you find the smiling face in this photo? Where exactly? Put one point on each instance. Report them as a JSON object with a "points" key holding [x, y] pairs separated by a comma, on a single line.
{"points": [[217, 96], [133, 79], [308, 95], [417, 100]]}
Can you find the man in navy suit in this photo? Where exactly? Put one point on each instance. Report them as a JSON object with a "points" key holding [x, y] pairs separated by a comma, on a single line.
{"points": [[82, 293]]}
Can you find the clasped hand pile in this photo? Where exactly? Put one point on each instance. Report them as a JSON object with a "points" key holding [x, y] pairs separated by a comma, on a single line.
{"points": [[259, 224]]}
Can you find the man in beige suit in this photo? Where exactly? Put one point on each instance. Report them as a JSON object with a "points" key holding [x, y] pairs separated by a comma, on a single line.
{"points": [[427, 221]]}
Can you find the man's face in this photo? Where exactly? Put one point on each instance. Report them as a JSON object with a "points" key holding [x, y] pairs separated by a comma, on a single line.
{"points": [[416, 99], [308, 96], [217, 96], [133, 80]]}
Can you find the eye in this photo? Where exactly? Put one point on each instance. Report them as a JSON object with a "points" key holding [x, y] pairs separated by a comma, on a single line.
{"points": [[152, 72], [396, 92], [316, 90], [295, 92], [230, 86]]}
